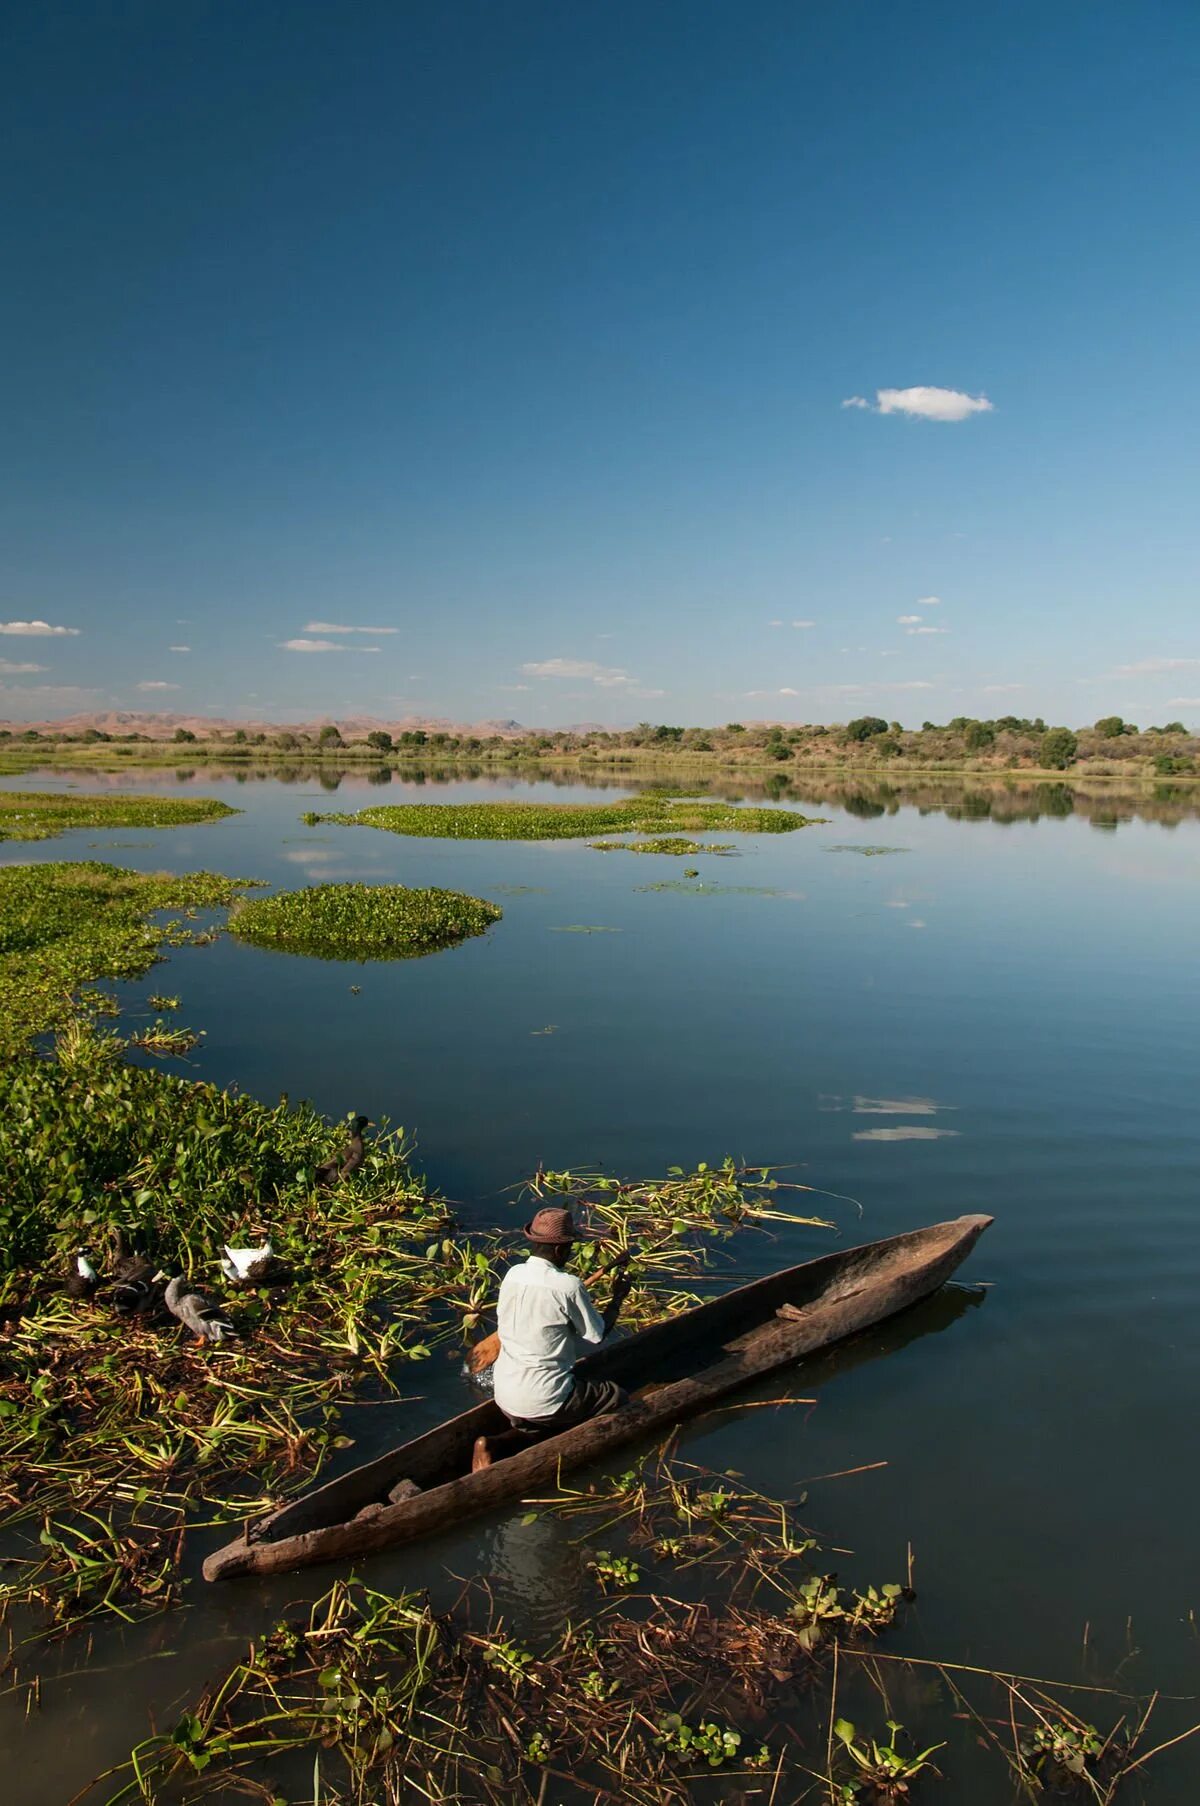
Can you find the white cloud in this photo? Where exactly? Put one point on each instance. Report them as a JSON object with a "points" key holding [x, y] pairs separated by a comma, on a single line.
{"points": [[37, 629], [1150, 666], [929, 601], [321, 646], [774, 623], [48, 692], [179, 649], [156, 684], [11, 669], [804, 623], [331, 627], [928, 630], [917, 684], [924, 403], [1002, 689], [908, 620], [1182, 702], [513, 689], [605, 677], [786, 692], [783, 692]]}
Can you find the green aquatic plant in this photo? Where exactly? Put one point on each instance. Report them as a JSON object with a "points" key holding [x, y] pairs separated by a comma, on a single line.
{"points": [[719, 890], [883, 1771], [677, 844], [40, 815], [649, 813], [160, 1038], [867, 852], [158, 1001], [362, 921], [65, 925]]}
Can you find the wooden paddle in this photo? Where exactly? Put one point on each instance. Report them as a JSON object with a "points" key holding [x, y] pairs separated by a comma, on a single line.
{"points": [[484, 1354]]}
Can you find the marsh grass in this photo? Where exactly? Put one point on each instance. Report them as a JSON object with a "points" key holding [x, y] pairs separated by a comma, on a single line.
{"points": [[362, 921], [653, 812], [40, 815]]}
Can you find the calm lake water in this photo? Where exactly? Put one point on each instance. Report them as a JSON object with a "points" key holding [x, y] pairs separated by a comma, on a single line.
{"points": [[994, 1014]]}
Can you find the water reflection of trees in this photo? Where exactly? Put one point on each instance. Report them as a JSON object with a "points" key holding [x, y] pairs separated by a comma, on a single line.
{"points": [[1004, 801]]}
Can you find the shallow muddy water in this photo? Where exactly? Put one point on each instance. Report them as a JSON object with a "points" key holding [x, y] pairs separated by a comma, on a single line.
{"points": [[983, 1013]]}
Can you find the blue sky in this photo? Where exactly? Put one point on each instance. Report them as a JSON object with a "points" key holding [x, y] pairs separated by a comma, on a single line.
{"points": [[520, 335]]}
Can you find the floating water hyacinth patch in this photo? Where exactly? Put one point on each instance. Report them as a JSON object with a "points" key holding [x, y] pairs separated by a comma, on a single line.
{"points": [[40, 815], [867, 852], [650, 813], [676, 844], [362, 921], [64, 925]]}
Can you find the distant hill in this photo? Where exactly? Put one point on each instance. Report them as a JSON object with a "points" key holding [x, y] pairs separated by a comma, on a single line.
{"points": [[353, 727]]}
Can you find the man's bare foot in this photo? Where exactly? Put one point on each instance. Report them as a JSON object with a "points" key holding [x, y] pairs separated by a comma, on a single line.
{"points": [[481, 1456]]}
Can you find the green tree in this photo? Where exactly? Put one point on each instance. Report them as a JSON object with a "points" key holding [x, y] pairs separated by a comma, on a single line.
{"points": [[329, 736], [1057, 749], [183, 736], [1110, 727], [980, 734], [865, 727], [380, 739], [734, 727]]}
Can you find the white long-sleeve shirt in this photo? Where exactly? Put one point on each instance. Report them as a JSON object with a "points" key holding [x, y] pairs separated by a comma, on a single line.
{"points": [[542, 1314]]}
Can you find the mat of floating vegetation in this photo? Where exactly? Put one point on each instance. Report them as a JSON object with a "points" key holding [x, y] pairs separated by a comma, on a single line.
{"points": [[65, 925], [721, 890], [362, 921], [40, 815], [652, 814], [866, 851], [676, 844]]}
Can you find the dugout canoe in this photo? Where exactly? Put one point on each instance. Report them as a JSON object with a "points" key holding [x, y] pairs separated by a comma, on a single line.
{"points": [[673, 1369]]}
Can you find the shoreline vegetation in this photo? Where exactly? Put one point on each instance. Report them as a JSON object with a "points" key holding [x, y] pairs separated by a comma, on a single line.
{"points": [[1009, 744]]}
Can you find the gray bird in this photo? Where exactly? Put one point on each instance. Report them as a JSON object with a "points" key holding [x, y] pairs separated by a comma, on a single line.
{"points": [[196, 1311], [350, 1158]]}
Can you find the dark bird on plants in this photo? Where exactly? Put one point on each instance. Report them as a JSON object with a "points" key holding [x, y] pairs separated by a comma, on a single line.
{"points": [[83, 1280], [196, 1311], [350, 1158]]}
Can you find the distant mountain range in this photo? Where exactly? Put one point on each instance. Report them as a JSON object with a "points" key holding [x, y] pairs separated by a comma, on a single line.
{"points": [[352, 727]]}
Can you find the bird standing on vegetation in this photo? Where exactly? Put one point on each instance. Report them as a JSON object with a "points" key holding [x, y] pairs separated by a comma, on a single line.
{"points": [[196, 1311], [252, 1266], [83, 1278], [350, 1158]]}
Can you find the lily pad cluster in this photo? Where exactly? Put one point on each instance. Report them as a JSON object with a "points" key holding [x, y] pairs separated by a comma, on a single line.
{"points": [[677, 844], [40, 815], [363, 921]]}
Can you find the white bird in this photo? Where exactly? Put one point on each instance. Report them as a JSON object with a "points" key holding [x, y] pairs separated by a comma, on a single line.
{"points": [[196, 1311], [82, 1282], [242, 1264]]}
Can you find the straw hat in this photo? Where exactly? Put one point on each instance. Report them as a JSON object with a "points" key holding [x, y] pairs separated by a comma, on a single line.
{"points": [[556, 1225]]}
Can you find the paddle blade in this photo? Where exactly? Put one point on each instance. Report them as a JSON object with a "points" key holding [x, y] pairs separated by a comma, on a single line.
{"points": [[483, 1354]]}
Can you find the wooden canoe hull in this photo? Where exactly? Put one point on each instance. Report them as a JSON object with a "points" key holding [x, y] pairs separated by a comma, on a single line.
{"points": [[741, 1334]]}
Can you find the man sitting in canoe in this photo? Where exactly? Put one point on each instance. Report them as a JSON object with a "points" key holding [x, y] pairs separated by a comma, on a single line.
{"points": [[545, 1318]]}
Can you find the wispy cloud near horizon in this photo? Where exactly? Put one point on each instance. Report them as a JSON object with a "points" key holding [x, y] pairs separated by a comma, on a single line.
{"points": [[38, 630], [331, 627]]}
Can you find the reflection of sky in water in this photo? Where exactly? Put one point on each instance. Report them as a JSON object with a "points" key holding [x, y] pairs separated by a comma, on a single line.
{"points": [[904, 1132]]}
